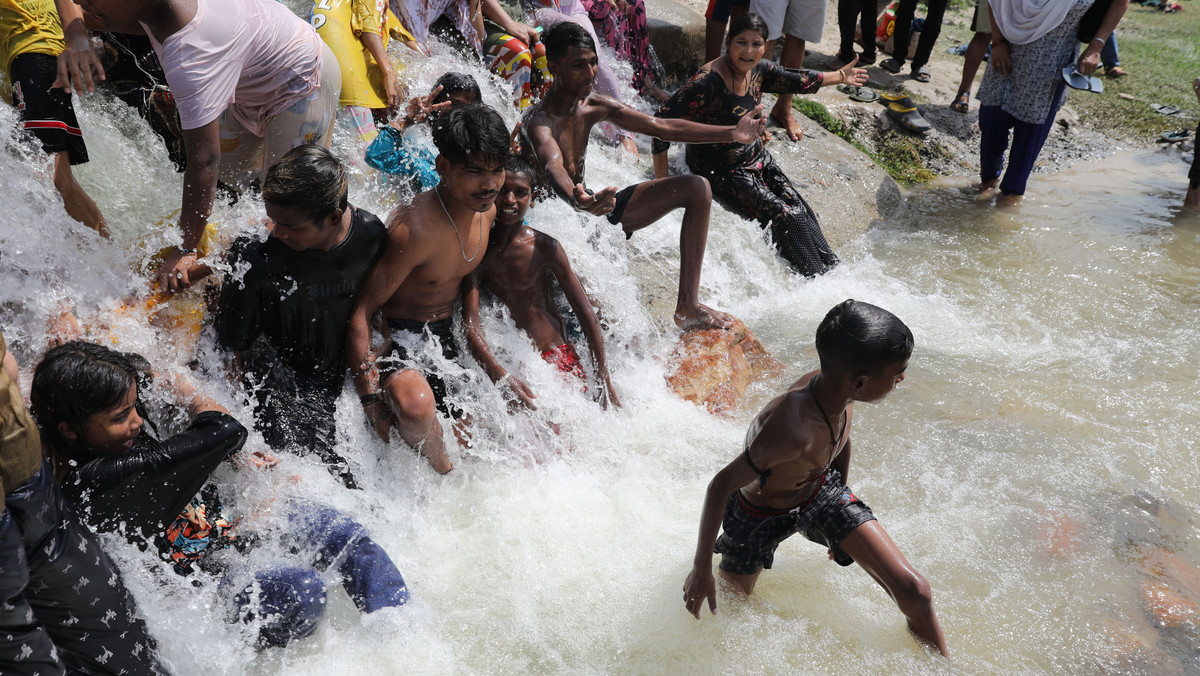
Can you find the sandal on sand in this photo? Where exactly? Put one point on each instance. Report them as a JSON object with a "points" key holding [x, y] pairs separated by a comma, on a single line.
{"points": [[922, 74], [890, 65], [903, 110], [1115, 72], [961, 103]]}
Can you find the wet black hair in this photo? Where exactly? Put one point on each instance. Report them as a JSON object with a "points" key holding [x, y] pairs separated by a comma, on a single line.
{"points": [[77, 380], [475, 129], [452, 83], [858, 338], [746, 22], [519, 165], [563, 36], [308, 178]]}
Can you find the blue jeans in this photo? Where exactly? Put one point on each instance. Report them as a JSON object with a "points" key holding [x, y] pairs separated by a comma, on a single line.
{"points": [[1108, 55], [289, 601]]}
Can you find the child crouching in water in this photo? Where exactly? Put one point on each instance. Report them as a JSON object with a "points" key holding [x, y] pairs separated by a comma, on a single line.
{"points": [[518, 268], [791, 475]]}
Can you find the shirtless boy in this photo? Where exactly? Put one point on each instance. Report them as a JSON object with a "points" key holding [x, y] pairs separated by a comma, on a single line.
{"points": [[791, 477], [559, 127], [432, 245], [518, 268]]}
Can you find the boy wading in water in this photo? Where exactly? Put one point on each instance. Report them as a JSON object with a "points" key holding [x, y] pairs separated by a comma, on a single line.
{"points": [[558, 129], [791, 476]]}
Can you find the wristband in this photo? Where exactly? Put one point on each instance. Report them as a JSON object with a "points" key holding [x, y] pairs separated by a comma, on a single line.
{"points": [[371, 398]]}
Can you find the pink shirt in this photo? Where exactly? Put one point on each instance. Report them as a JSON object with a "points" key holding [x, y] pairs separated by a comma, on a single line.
{"points": [[253, 57]]}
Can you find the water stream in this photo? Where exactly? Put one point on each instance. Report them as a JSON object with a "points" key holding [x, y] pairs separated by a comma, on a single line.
{"points": [[1054, 376]]}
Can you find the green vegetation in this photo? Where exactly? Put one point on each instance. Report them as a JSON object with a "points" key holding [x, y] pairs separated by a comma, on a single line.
{"points": [[899, 154]]}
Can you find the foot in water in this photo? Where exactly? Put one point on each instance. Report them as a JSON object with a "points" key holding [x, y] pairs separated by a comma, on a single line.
{"points": [[1006, 200], [702, 317]]}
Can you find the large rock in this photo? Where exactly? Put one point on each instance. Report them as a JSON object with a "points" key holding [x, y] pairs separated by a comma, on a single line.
{"points": [[714, 367], [677, 35]]}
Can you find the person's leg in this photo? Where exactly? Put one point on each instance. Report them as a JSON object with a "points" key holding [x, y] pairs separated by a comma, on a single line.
{"points": [[796, 231], [25, 647], [639, 51], [792, 57], [365, 569], [874, 550], [1110, 57], [716, 19], [976, 50], [1027, 142], [286, 602], [511, 59], [902, 36], [866, 12], [930, 33], [415, 409], [847, 18], [76, 201], [654, 199], [994, 124]]}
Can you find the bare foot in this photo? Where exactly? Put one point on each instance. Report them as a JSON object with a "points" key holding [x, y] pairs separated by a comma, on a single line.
{"points": [[630, 147], [790, 125], [702, 317], [986, 185], [1005, 200]]}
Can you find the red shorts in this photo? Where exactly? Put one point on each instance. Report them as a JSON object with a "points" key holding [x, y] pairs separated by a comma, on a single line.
{"points": [[566, 359]]}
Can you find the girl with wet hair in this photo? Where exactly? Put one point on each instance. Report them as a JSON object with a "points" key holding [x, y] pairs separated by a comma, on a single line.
{"points": [[744, 177], [112, 465]]}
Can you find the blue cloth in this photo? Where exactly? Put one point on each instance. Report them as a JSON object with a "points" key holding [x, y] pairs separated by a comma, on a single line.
{"points": [[1027, 142], [289, 601], [1108, 54], [394, 153]]}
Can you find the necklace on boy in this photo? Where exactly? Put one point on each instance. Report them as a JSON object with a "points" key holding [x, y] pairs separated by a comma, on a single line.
{"points": [[461, 248], [836, 438]]}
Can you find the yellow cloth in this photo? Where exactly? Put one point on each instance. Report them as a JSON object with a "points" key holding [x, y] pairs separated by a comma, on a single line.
{"points": [[339, 23], [28, 27], [20, 443]]}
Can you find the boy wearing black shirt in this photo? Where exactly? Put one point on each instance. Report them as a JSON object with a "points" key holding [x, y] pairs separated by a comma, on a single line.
{"points": [[296, 290]]}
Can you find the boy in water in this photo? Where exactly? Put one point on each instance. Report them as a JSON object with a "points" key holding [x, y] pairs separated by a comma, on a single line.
{"points": [[295, 291], [791, 476], [518, 267], [559, 128], [432, 245]]}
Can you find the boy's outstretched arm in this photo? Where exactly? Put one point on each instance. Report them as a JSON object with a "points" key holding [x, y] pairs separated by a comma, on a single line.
{"points": [[549, 155], [479, 347], [560, 265], [748, 128], [700, 583]]}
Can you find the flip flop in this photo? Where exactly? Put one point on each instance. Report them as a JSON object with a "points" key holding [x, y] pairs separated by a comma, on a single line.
{"points": [[922, 74], [961, 103], [890, 65], [863, 94], [1174, 136], [1077, 80]]}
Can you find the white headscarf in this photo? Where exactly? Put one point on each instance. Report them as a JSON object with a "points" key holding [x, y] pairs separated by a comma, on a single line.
{"points": [[1023, 21]]}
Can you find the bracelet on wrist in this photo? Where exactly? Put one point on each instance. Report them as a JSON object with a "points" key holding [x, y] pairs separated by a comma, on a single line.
{"points": [[371, 398]]}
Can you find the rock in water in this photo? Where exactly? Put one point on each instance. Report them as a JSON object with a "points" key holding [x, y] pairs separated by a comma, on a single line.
{"points": [[713, 367]]}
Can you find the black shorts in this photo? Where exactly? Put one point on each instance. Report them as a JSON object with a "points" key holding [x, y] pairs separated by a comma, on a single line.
{"points": [[46, 111], [399, 358], [751, 533], [622, 201]]}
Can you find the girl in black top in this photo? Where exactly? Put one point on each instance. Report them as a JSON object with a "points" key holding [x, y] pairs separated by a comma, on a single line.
{"points": [[114, 467], [745, 178]]}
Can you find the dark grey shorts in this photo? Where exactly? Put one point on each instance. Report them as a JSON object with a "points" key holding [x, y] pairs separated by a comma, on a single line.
{"points": [[751, 533]]}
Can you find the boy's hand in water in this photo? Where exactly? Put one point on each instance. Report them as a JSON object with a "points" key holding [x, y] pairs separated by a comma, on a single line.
{"points": [[750, 126], [699, 585], [521, 391], [261, 460], [173, 276], [79, 66], [599, 203]]}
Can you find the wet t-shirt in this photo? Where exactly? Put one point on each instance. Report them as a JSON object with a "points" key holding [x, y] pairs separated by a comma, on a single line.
{"points": [[706, 99], [299, 300]]}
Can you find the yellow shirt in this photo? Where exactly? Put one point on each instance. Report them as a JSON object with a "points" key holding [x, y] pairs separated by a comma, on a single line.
{"points": [[340, 23], [28, 27], [20, 443]]}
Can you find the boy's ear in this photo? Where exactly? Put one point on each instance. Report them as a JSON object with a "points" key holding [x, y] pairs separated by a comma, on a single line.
{"points": [[67, 432], [859, 383], [441, 164]]}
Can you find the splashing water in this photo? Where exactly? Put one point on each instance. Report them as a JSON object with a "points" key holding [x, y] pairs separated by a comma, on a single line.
{"points": [[1054, 373]]}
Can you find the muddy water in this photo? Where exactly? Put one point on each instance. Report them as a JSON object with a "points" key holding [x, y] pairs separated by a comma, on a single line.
{"points": [[1054, 377]]}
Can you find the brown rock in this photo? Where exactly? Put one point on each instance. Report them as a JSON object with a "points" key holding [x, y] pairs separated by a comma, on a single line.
{"points": [[714, 367]]}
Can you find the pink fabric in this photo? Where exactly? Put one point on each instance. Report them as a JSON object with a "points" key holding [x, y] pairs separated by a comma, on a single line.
{"points": [[252, 57], [418, 15]]}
